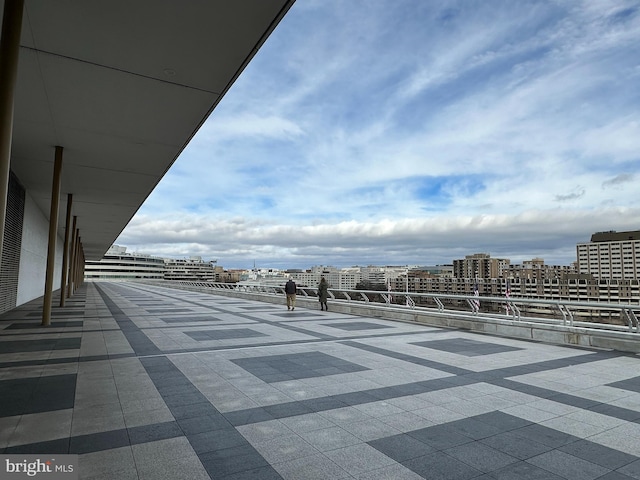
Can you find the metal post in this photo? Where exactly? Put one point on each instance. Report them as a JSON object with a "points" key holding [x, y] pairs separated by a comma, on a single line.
{"points": [[53, 233], [66, 252], [9, 54]]}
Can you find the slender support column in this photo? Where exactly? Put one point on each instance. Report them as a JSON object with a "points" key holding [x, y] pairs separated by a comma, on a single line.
{"points": [[72, 252], [53, 233], [81, 269], [76, 284], [9, 53], [66, 252]]}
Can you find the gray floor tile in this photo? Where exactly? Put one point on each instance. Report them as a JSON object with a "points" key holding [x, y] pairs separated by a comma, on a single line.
{"points": [[568, 466]]}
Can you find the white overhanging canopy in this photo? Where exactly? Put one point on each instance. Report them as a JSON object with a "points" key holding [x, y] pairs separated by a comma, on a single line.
{"points": [[122, 86]]}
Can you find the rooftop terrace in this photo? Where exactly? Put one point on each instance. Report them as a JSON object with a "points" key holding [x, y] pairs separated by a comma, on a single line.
{"points": [[147, 382]]}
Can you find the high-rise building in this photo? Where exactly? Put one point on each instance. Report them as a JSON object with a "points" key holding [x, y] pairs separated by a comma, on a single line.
{"points": [[611, 255], [480, 265]]}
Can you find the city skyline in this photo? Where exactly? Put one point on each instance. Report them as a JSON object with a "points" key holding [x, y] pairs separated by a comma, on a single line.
{"points": [[415, 132]]}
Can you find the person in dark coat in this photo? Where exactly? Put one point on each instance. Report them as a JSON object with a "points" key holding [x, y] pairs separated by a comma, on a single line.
{"points": [[323, 294], [290, 290]]}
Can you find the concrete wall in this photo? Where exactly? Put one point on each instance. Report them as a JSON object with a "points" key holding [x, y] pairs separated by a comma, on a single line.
{"points": [[33, 254]]}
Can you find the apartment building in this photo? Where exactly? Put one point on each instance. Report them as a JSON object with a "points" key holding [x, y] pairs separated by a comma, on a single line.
{"points": [[480, 265], [536, 269], [611, 255], [190, 269]]}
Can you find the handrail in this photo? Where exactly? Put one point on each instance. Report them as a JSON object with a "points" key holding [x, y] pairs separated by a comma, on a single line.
{"points": [[590, 315]]}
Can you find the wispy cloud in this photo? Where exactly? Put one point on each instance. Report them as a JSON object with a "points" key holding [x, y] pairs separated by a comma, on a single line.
{"points": [[413, 132]]}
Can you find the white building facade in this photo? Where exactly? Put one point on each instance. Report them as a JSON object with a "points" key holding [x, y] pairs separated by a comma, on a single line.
{"points": [[611, 255]]}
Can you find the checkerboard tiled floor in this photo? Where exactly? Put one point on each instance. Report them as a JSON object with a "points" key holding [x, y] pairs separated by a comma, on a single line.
{"points": [[145, 382]]}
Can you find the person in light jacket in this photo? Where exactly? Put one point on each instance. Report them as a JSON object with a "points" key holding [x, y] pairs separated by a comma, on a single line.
{"points": [[323, 294]]}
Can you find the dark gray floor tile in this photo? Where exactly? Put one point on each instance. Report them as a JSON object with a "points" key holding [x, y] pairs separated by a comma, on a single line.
{"points": [[473, 428], [152, 433], [616, 476], [632, 469], [245, 417], [599, 454], [440, 466], [546, 436], [573, 400], [524, 471], [467, 347], [24, 346], [502, 421], [567, 466], [631, 384], [324, 403], [180, 412], [185, 398], [401, 447], [35, 395], [284, 410], [96, 442], [204, 423], [516, 446], [440, 437], [353, 326], [260, 473], [296, 366], [617, 412], [60, 446], [356, 398], [221, 463], [226, 334], [481, 456], [212, 441]]}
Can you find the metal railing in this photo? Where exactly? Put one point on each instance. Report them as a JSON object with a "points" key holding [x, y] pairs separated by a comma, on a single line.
{"points": [[590, 315]]}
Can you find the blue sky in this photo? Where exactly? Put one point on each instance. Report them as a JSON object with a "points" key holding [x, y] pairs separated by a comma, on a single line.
{"points": [[394, 132]]}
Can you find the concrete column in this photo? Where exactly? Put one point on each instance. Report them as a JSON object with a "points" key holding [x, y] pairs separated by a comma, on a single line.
{"points": [[65, 254], [9, 53], [53, 231], [72, 254]]}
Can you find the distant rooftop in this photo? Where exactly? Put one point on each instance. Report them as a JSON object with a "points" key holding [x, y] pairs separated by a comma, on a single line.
{"points": [[613, 236]]}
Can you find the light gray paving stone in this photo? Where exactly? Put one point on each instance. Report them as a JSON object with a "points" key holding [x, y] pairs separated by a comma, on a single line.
{"points": [[313, 467], [264, 431], [379, 409], [390, 472], [369, 430], [108, 464], [406, 421], [438, 414], [530, 413], [171, 458], [358, 459], [307, 423], [284, 448], [41, 427], [330, 438]]}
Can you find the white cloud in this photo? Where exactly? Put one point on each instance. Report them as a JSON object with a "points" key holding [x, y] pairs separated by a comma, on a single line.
{"points": [[414, 132]]}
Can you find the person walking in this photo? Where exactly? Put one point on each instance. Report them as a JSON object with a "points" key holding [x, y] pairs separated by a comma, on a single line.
{"points": [[323, 294], [290, 290]]}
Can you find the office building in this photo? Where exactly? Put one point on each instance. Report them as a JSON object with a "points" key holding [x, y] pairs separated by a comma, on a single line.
{"points": [[118, 264]]}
